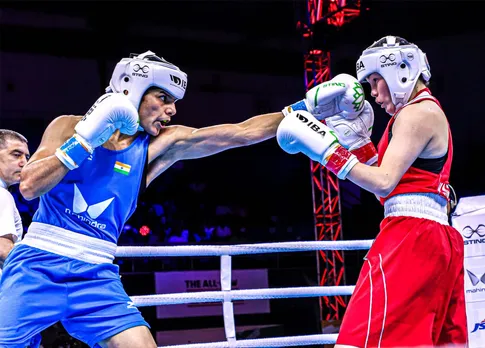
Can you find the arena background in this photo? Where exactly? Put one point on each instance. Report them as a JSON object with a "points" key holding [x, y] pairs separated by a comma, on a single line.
{"points": [[242, 58]]}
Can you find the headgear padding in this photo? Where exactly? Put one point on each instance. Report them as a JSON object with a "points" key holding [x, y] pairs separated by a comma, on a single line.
{"points": [[133, 76], [399, 62]]}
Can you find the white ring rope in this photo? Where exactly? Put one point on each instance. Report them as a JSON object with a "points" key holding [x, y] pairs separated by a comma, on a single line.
{"points": [[241, 249], [291, 341], [226, 295], [238, 295]]}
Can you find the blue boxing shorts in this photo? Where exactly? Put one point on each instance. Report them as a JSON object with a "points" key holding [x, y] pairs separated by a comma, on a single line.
{"points": [[39, 288]]}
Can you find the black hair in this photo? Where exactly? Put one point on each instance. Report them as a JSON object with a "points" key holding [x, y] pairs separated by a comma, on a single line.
{"points": [[7, 134]]}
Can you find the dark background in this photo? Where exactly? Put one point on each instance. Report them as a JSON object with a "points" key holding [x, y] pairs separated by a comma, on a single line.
{"points": [[242, 58]]}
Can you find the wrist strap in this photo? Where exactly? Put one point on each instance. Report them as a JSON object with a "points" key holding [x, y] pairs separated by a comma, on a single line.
{"points": [[299, 105], [340, 161], [73, 152], [366, 154]]}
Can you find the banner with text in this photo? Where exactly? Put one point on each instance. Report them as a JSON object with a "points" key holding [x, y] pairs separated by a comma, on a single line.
{"points": [[197, 281], [469, 220]]}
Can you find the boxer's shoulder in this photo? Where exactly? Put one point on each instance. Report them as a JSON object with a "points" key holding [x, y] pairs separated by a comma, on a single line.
{"points": [[63, 124]]}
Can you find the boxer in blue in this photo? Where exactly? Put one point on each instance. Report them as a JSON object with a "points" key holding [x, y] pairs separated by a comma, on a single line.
{"points": [[88, 172]]}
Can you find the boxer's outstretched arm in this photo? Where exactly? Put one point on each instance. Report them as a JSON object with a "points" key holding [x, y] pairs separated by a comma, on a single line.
{"points": [[412, 132], [181, 143], [44, 170]]}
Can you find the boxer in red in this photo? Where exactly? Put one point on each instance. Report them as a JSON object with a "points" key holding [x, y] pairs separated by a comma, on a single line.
{"points": [[410, 291]]}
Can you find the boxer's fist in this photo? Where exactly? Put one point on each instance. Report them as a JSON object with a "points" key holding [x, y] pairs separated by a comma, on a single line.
{"points": [[351, 133], [354, 134], [301, 132], [342, 94], [110, 112]]}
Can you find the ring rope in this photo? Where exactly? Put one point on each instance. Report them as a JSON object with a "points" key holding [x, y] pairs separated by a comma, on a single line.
{"points": [[290, 341], [227, 296], [238, 295], [241, 249]]}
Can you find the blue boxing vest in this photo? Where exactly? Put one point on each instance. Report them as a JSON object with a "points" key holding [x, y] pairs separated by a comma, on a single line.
{"points": [[98, 198]]}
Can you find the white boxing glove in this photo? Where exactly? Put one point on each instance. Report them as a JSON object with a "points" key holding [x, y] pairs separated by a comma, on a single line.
{"points": [[110, 112], [342, 94], [354, 134], [299, 131]]}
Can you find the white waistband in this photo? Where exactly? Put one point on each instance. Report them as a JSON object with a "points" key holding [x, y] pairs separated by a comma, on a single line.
{"points": [[70, 244], [420, 205]]}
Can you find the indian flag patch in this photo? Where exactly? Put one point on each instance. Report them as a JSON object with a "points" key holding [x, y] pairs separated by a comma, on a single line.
{"points": [[122, 168]]}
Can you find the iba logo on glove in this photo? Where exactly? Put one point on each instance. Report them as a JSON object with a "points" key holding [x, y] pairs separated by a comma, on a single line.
{"points": [[313, 126]]}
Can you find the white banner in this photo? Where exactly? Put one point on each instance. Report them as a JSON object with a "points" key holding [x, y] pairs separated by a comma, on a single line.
{"points": [[197, 281], [173, 337], [469, 219]]}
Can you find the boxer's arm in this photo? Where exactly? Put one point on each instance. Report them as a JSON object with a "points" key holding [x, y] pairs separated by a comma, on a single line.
{"points": [[412, 132], [44, 170], [376, 195], [177, 143]]}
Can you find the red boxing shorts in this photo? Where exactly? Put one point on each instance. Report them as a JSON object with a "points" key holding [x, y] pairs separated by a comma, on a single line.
{"points": [[410, 291]]}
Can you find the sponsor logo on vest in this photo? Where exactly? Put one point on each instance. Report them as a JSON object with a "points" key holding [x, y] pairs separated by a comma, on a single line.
{"points": [[87, 213]]}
